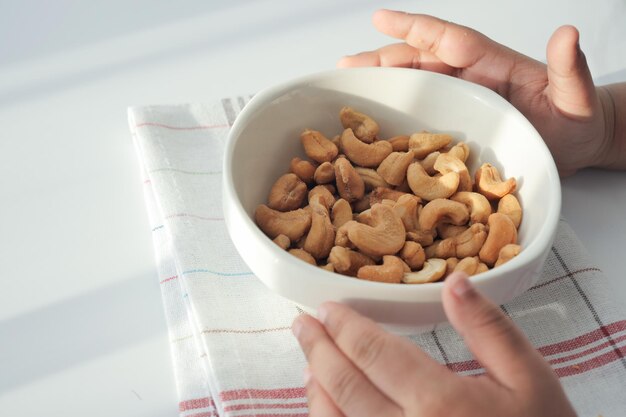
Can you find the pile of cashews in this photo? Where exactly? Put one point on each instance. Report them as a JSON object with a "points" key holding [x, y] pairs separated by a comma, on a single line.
{"points": [[403, 210]]}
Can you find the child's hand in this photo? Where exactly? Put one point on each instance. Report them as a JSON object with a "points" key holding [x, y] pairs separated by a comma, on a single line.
{"points": [[357, 369], [559, 99]]}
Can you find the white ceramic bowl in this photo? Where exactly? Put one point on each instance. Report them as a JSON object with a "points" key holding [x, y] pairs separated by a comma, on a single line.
{"points": [[266, 135]]}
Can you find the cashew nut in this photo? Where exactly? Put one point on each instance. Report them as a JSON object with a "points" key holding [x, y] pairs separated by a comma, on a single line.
{"points": [[461, 150], [451, 263], [380, 193], [385, 237], [448, 163], [304, 255], [430, 188], [324, 173], [510, 206], [507, 253], [490, 184], [407, 208], [365, 217], [341, 213], [424, 143], [364, 127], [399, 143], [350, 185], [371, 178], [463, 245], [478, 205], [293, 224], [442, 210], [393, 167], [404, 187], [391, 271], [433, 270], [287, 193], [468, 265], [305, 170], [482, 267], [321, 237], [329, 267], [423, 237], [413, 254], [348, 262], [428, 163], [364, 154], [282, 241], [502, 231], [323, 195], [447, 230], [317, 147]]}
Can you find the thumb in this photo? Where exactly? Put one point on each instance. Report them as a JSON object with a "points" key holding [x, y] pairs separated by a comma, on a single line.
{"points": [[499, 346], [570, 85]]}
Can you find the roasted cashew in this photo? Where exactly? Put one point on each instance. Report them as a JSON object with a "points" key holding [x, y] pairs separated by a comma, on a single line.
{"points": [[451, 263], [482, 267], [324, 173], [510, 206], [304, 255], [448, 163], [361, 204], [348, 262], [442, 210], [393, 167], [282, 241], [371, 178], [490, 184], [413, 254], [323, 195], [364, 154], [463, 245], [391, 271], [468, 265], [385, 237], [363, 126], [507, 253], [461, 150], [399, 143], [341, 213], [329, 267], [287, 193], [502, 231], [424, 143], [423, 237], [350, 185], [447, 230], [317, 147], [478, 205], [404, 187], [380, 193], [365, 217], [428, 163], [407, 208], [433, 270], [321, 236], [305, 170], [430, 188], [293, 224]]}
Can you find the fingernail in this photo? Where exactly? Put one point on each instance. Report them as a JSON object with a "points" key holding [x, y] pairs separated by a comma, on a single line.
{"points": [[322, 312], [296, 327], [462, 287], [306, 376]]}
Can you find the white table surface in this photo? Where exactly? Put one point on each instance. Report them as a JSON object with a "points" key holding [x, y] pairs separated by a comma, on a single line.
{"points": [[82, 330]]}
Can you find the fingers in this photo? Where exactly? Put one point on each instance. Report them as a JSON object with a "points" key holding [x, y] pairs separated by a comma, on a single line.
{"points": [[320, 404], [346, 386], [397, 55], [570, 84], [392, 363], [495, 341], [455, 45]]}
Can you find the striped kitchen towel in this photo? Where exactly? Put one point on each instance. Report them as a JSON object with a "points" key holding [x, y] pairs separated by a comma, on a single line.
{"points": [[232, 349]]}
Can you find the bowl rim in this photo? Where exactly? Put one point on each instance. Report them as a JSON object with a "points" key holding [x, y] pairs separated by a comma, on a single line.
{"points": [[529, 253]]}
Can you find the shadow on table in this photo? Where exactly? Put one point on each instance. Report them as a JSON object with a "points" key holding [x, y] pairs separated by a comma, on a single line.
{"points": [[79, 329]]}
